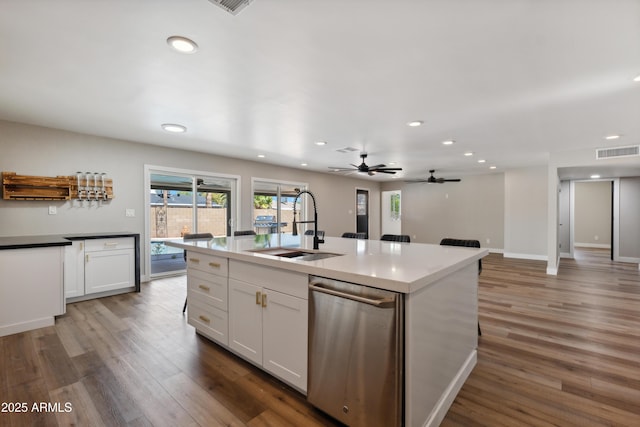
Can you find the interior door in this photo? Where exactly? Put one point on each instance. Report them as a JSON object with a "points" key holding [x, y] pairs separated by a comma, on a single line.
{"points": [[362, 212]]}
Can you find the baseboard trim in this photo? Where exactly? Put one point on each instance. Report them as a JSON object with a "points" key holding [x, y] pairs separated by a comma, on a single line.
{"points": [[526, 256], [593, 245]]}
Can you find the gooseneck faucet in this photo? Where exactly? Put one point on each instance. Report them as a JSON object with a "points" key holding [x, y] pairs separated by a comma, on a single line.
{"points": [[316, 241]]}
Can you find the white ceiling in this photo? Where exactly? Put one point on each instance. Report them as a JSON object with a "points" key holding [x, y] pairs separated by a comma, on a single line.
{"points": [[511, 81]]}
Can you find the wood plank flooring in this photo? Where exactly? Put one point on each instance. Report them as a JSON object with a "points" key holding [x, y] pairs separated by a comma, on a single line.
{"points": [[556, 350]]}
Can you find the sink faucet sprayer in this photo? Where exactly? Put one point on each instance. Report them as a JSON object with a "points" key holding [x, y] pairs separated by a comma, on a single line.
{"points": [[316, 241]]}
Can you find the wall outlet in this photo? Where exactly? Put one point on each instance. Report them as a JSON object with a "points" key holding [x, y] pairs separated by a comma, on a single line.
{"points": [[53, 210], [596, 237], [488, 240], [129, 212]]}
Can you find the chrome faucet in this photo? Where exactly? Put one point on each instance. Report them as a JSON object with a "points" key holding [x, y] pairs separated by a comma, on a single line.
{"points": [[316, 240]]}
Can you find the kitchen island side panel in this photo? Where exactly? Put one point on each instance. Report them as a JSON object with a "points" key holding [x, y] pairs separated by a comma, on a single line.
{"points": [[440, 344], [31, 288]]}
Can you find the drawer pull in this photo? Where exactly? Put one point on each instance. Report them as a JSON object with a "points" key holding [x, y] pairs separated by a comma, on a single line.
{"points": [[196, 260], [204, 288], [111, 244], [264, 300], [214, 264], [204, 319], [258, 302]]}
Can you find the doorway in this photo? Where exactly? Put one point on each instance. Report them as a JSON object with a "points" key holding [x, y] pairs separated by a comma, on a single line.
{"points": [[180, 202], [362, 212], [391, 206]]}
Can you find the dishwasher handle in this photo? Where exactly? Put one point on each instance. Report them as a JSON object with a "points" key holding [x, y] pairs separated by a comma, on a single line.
{"points": [[380, 303]]}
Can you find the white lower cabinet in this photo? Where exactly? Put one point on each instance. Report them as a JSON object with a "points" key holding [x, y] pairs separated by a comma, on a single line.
{"points": [[245, 320], [94, 266], [207, 298], [267, 326]]}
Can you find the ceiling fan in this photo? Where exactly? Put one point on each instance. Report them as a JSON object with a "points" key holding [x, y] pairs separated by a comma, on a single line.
{"points": [[364, 168], [432, 179]]}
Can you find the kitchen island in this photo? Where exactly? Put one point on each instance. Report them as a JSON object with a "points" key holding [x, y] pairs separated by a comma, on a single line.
{"points": [[228, 276]]}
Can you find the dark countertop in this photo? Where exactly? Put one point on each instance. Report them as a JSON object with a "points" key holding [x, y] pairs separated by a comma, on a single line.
{"points": [[22, 242]]}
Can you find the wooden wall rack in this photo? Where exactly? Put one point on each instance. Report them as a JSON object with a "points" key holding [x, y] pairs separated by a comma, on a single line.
{"points": [[27, 187]]}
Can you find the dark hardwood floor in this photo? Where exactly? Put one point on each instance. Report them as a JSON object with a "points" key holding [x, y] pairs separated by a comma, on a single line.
{"points": [[556, 350]]}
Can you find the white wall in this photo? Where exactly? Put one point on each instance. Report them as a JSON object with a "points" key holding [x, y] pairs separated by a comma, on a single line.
{"points": [[31, 150], [525, 213], [592, 214], [629, 240], [470, 209]]}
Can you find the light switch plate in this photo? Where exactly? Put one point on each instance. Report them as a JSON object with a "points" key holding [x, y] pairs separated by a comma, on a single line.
{"points": [[53, 210], [130, 212]]}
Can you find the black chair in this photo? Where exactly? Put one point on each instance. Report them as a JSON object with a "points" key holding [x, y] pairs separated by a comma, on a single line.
{"points": [[469, 244], [350, 235], [310, 233], [244, 233], [193, 236], [396, 238]]}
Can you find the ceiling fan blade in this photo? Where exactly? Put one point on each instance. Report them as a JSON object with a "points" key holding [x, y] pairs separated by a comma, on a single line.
{"points": [[336, 169], [386, 169], [377, 166], [392, 172], [452, 180], [416, 181]]}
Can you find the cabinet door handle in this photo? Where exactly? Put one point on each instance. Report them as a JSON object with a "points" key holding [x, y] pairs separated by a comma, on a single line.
{"points": [[204, 319], [196, 260], [86, 258], [204, 288], [264, 300], [258, 298], [214, 264], [111, 244]]}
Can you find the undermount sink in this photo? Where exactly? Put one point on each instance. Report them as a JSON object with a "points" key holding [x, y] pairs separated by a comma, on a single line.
{"points": [[294, 253]]}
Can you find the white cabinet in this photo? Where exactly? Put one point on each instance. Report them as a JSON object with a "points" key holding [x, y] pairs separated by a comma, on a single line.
{"points": [[31, 288], [268, 318], [74, 269], [207, 292], [99, 266], [245, 320], [109, 264]]}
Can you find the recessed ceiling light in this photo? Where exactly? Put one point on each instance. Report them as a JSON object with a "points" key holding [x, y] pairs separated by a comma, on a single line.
{"points": [[392, 163], [303, 164], [415, 123], [469, 153], [637, 78], [612, 137], [448, 142], [492, 167], [321, 143], [261, 156], [174, 128], [182, 44], [482, 161], [594, 176]]}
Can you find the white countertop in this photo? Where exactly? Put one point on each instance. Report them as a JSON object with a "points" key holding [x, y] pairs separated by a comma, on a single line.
{"points": [[400, 267]]}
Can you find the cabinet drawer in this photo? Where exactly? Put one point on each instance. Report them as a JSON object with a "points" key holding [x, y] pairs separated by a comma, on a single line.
{"points": [[208, 288], [287, 282], [209, 321], [208, 263], [92, 245]]}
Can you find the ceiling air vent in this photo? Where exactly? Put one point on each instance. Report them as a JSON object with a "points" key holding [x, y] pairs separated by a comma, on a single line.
{"points": [[232, 6], [628, 151], [346, 150]]}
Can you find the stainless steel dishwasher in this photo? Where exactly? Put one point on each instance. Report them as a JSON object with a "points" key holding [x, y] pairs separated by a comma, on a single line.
{"points": [[356, 351]]}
